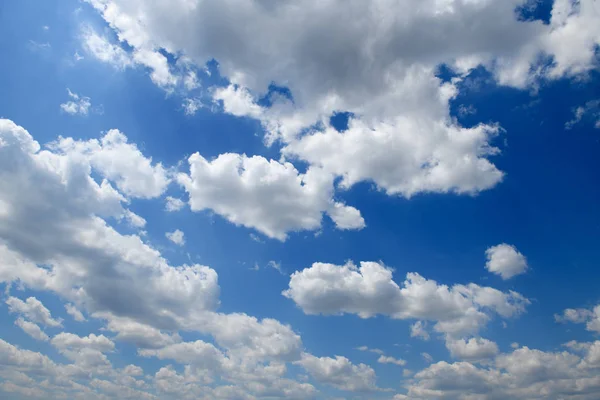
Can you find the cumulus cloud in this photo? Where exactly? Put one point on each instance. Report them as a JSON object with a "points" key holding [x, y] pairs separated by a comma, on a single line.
{"points": [[522, 374], [339, 372], [33, 309], [589, 317], [55, 239], [173, 204], [418, 330], [74, 312], [505, 260], [474, 349], [269, 196], [101, 48], [369, 290], [120, 161], [391, 360], [401, 135], [176, 237], [32, 330]]}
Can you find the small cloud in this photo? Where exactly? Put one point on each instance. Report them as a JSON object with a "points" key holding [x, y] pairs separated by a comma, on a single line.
{"points": [[78, 57], [256, 238], [36, 46], [45, 28], [419, 330], [463, 110], [427, 357], [78, 105], [176, 237], [191, 105], [505, 260], [276, 266], [256, 267], [590, 110], [173, 204], [391, 360], [365, 348], [514, 345]]}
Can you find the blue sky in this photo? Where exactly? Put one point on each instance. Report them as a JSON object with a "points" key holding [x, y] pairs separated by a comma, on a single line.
{"points": [[465, 156]]}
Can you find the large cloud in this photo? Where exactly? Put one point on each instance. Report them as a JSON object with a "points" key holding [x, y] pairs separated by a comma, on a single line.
{"points": [[375, 59], [369, 290]]}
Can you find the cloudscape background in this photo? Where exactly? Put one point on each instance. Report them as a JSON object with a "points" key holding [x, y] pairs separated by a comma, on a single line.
{"points": [[387, 199]]}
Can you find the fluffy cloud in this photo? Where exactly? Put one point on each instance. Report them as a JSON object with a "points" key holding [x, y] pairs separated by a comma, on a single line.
{"points": [[176, 237], [74, 312], [267, 195], [391, 360], [69, 342], [473, 349], [523, 374], [369, 290], [339, 372], [505, 260], [591, 317], [101, 48], [401, 136], [77, 104], [32, 330], [173, 204], [418, 329], [55, 238], [33, 309], [119, 161]]}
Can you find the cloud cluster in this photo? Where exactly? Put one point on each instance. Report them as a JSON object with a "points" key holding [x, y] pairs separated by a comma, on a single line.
{"points": [[522, 374], [56, 237], [381, 68]]}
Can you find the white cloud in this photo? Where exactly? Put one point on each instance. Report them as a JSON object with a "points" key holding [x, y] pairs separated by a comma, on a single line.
{"points": [[391, 360], [339, 372], [101, 48], [133, 370], [365, 348], [505, 260], [191, 105], [427, 357], [176, 237], [33, 309], [57, 225], [267, 195], [522, 374], [381, 68], [419, 330], [173, 204], [276, 266], [74, 312], [32, 330], [590, 110], [54, 239], [591, 317], [70, 342], [474, 349], [120, 161], [77, 105], [369, 290]]}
